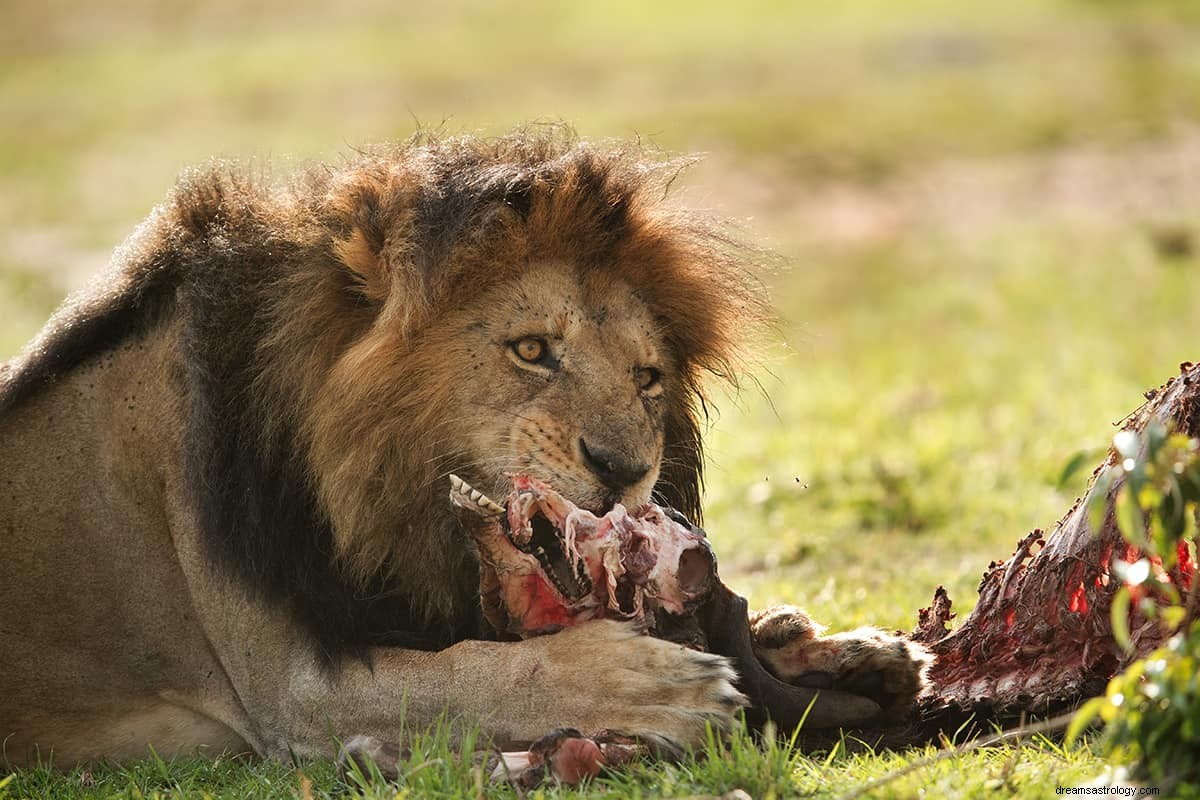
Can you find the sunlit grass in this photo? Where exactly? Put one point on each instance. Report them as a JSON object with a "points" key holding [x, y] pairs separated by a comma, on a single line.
{"points": [[120, 101], [917, 423], [435, 770]]}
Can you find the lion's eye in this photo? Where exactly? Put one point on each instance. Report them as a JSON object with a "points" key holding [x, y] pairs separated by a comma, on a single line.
{"points": [[647, 378], [530, 349]]}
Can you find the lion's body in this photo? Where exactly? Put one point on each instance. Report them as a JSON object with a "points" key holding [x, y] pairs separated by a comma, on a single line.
{"points": [[223, 517], [223, 500], [103, 650]]}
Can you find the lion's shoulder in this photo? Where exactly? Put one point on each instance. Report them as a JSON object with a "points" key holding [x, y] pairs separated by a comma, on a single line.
{"points": [[86, 325], [205, 214]]}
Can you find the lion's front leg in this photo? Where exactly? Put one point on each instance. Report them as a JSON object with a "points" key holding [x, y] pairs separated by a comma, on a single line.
{"points": [[887, 668], [599, 676]]}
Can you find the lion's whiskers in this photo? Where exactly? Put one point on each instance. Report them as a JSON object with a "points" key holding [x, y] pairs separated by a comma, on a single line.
{"points": [[503, 410]]}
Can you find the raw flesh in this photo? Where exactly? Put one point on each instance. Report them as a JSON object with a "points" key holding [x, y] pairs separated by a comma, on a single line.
{"points": [[1040, 639]]}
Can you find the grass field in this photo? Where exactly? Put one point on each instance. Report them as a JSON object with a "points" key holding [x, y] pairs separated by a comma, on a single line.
{"points": [[988, 214]]}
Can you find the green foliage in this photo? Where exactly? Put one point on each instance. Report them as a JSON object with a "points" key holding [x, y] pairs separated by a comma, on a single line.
{"points": [[1151, 714], [1156, 506], [1151, 711]]}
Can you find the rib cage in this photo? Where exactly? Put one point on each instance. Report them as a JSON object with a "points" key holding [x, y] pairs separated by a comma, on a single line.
{"points": [[1040, 639]]}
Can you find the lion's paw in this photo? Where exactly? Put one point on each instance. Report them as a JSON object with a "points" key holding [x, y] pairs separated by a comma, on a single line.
{"points": [[887, 668], [605, 676]]}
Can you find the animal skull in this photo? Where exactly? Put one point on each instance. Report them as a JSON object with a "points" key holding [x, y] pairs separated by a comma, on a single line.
{"points": [[546, 564]]}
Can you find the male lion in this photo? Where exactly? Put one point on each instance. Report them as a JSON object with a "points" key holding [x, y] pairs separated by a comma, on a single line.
{"points": [[223, 504]]}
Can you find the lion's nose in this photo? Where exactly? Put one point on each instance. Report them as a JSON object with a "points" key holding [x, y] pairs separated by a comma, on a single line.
{"points": [[613, 470]]}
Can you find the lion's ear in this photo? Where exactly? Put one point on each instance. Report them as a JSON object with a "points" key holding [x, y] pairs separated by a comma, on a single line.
{"points": [[365, 263]]}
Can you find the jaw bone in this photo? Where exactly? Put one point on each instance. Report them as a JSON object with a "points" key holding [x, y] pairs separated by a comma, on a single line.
{"points": [[463, 495]]}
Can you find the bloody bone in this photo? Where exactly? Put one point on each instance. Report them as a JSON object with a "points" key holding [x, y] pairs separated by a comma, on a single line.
{"points": [[566, 756], [1040, 638], [546, 564]]}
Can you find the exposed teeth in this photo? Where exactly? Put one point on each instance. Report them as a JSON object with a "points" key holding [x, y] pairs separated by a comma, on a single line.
{"points": [[579, 587], [462, 494]]}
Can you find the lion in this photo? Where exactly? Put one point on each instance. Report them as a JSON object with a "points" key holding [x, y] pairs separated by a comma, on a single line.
{"points": [[223, 500]]}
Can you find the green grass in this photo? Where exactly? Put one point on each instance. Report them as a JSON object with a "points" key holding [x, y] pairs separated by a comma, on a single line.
{"points": [[938, 358], [920, 419], [434, 771]]}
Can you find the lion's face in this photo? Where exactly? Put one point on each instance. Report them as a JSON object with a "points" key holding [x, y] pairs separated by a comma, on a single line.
{"points": [[483, 308], [566, 381]]}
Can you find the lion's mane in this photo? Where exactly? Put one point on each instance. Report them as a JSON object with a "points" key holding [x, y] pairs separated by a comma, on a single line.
{"points": [[315, 435]]}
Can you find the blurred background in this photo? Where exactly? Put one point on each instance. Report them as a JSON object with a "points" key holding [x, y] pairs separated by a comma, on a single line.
{"points": [[987, 212]]}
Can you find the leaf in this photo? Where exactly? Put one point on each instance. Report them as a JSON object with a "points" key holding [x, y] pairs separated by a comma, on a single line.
{"points": [[1073, 465], [1097, 501], [1156, 437], [1173, 616], [1161, 542], [1173, 513], [1129, 517], [1120, 619], [1149, 497], [1189, 482], [1084, 717]]}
